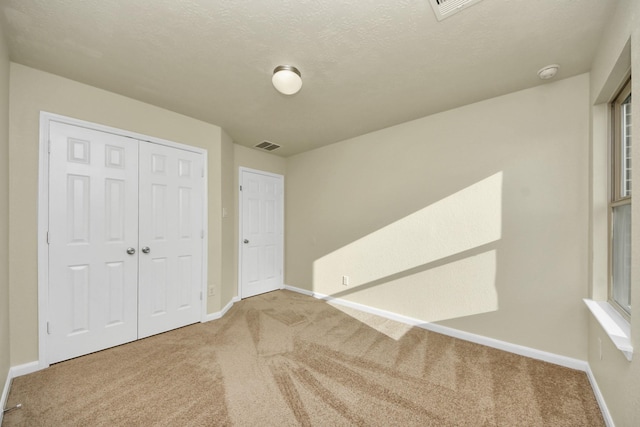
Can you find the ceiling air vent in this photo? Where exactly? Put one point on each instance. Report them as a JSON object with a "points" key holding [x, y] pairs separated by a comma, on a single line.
{"points": [[268, 146], [446, 8]]}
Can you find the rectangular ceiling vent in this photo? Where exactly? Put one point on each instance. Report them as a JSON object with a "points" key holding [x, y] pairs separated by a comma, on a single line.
{"points": [[268, 146], [446, 8]]}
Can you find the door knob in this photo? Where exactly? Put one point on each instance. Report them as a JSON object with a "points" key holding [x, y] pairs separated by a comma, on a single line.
{"points": [[131, 251], [146, 250], [246, 241]]}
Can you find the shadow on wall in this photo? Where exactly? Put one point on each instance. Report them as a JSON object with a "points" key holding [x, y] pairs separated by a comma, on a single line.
{"points": [[435, 264]]}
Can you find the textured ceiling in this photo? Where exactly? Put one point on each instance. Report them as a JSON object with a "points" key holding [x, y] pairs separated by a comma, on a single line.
{"points": [[366, 64]]}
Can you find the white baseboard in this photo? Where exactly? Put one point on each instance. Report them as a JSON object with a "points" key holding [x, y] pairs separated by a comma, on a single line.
{"points": [[533, 353], [15, 371], [218, 314], [568, 362], [24, 369], [608, 420], [5, 394], [300, 291]]}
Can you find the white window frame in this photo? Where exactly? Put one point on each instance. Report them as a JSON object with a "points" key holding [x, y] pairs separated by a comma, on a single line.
{"points": [[619, 194], [614, 324]]}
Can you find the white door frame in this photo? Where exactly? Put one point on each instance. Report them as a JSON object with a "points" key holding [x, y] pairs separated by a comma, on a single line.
{"points": [[43, 215], [240, 237]]}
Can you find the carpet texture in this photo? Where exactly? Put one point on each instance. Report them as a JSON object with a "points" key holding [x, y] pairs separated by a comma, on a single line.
{"points": [[285, 359]]}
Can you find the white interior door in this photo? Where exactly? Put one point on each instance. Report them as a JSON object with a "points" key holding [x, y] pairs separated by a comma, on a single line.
{"points": [[261, 234], [93, 220], [171, 238]]}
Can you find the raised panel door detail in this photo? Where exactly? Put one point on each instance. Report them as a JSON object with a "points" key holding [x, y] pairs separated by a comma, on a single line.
{"points": [[270, 261], [114, 157], [159, 164], [184, 168], [159, 211], [114, 209], [78, 151], [253, 258], [115, 285], [159, 286], [253, 187], [78, 208], [185, 279], [269, 216], [253, 206], [270, 189], [185, 214], [79, 284]]}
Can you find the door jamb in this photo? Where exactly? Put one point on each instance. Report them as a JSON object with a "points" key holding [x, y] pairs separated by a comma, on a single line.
{"points": [[241, 170], [43, 215]]}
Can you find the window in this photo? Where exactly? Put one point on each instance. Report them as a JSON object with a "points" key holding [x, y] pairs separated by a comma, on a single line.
{"points": [[620, 205]]}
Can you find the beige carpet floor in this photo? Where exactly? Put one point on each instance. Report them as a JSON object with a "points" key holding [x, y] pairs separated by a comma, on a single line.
{"points": [[285, 359]]}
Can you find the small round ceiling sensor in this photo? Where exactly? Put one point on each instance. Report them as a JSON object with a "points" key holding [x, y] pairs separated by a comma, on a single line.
{"points": [[548, 72]]}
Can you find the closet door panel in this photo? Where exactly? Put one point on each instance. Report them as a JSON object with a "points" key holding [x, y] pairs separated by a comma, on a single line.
{"points": [[171, 239], [93, 220]]}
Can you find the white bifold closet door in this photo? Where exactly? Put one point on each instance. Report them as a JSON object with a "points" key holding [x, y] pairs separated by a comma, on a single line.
{"points": [[125, 240]]}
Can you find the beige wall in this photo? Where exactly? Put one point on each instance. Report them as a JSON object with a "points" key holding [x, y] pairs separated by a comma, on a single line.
{"points": [[4, 211], [617, 378], [32, 91], [475, 218], [259, 160], [229, 269]]}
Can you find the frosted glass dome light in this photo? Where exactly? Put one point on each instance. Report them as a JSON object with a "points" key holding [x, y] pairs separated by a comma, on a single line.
{"points": [[548, 72], [287, 79]]}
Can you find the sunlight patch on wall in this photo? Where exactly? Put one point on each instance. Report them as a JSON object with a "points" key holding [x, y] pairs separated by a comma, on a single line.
{"points": [[463, 221], [461, 288]]}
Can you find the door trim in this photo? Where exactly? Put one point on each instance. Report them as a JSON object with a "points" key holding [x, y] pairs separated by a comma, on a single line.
{"points": [[240, 245], [43, 215]]}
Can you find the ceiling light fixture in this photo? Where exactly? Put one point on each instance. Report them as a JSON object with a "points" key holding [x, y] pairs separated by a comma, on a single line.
{"points": [[287, 79], [548, 72]]}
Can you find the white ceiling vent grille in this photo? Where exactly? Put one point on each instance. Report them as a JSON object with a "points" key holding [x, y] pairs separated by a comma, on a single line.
{"points": [[268, 146], [446, 8]]}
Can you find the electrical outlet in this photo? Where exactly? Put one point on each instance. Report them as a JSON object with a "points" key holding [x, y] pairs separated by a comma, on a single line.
{"points": [[212, 292], [345, 280]]}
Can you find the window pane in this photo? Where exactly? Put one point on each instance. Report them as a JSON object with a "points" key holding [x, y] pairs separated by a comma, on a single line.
{"points": [[625, 140], [621, 242]]}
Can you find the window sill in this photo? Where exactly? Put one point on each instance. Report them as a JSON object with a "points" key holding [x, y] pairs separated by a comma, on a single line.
{"points": [[616, 326]]}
